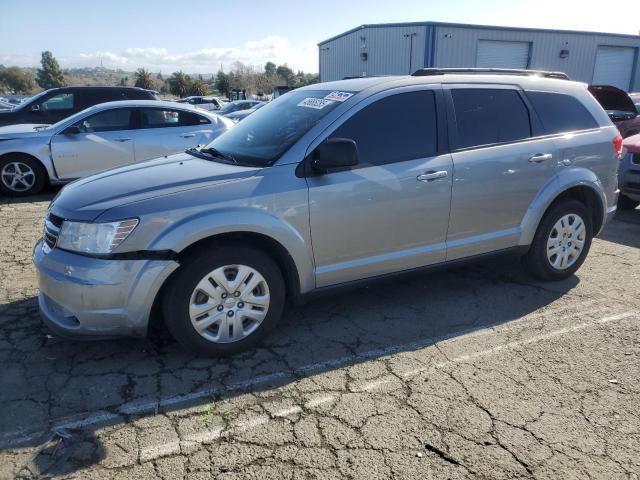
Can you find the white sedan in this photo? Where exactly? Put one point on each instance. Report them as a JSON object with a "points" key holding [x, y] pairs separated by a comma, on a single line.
{"points": [[104, 136]]}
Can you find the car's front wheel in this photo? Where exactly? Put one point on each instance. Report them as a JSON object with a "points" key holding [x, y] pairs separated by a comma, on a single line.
{"points": [[561, 242], [21, 176], [224, 299]]}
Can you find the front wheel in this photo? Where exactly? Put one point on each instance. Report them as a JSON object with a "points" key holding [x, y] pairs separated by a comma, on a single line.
{"points": [[561, 242], [21, 176], [224, 300]]}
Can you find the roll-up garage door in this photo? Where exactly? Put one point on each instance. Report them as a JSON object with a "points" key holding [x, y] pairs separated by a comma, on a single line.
{"points": [[614, 66], [499, 54]]}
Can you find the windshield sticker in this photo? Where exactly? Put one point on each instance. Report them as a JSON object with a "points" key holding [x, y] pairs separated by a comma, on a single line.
{"points": [[317, 103], [338, 96]]}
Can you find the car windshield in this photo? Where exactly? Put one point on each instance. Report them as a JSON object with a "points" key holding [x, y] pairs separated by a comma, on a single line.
{"points": [[27, 101], [265, 135]]}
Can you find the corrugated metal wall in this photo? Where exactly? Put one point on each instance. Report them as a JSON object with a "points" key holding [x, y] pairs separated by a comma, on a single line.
{"points": [[387, 52], [456, 46]]}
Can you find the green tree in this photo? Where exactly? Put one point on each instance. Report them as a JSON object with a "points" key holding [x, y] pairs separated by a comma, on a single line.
{"points": [[270, 68], [286, 74], [198, 87], [50, 75], [179, 83], [143, 79], [16, 80], [222, 82]]}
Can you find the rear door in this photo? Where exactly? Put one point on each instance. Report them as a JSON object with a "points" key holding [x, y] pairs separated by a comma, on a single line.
{"points": [[500, 164], [106, 141], [165, 131]]}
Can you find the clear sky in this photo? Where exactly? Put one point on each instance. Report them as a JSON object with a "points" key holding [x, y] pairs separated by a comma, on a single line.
{"points": [[200, 35]]}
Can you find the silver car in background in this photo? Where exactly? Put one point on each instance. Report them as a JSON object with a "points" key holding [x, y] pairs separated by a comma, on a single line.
{"points": [[101, 137]]}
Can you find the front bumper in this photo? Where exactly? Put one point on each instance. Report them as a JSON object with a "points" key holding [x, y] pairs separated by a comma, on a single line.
{"points": [[629, 176], [83, 296]]}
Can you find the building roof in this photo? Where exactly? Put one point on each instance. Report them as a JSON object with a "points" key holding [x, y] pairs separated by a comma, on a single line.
{"points": [[467, 25]]}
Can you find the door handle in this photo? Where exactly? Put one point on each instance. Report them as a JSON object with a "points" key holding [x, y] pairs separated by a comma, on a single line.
{"points": [[188, 135], [430, 176], [122, 139], [540, 157]]}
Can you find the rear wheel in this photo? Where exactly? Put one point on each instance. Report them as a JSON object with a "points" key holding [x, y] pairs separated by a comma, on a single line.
{"points": [[224, 300], [21, 176], [625, 203], [561, 242]]}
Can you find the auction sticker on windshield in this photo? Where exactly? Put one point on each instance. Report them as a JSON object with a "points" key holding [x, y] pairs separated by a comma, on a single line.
{"points": [[317, 103], [338, 96]]}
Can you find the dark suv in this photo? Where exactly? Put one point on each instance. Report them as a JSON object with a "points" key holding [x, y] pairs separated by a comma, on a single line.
{"points": [[53, 105]]}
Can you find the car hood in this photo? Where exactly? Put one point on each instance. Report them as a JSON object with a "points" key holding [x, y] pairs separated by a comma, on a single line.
{"points": [[87, 198], [612, 98], [23, 130], [632, 144]]}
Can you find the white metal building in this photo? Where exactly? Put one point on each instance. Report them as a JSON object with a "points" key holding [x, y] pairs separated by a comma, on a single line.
{"points": [[402, 48]]}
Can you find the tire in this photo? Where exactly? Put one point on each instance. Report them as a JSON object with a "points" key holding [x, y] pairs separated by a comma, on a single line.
{"points": [[539, 262], [625, 203], [203, 272], [32, 173]]}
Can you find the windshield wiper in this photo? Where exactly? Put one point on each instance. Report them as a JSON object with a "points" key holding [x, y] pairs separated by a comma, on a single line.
{"points": [[215, 153]]}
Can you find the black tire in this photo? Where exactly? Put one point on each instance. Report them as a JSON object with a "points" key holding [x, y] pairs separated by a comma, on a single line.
{"points": [[37, 168], [175, 302], [625, 203], [536, 260]]}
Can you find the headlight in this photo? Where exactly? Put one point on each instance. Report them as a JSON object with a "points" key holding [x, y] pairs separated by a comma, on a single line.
{"points": [[98, 238]]}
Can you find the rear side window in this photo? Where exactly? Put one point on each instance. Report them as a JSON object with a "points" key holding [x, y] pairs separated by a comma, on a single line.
{"points": [[487, 116], [159, 118], [394, 129], [107, 121], [561, 113]]}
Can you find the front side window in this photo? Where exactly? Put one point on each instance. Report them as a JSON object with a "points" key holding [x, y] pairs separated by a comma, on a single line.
{"points": [[164, 118], [108, 121], [561, 113], [486, 116], [396, 128], [61, 101]]}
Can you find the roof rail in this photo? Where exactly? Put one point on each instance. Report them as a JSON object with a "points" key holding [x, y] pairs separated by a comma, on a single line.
{"points": [[424, 72]]}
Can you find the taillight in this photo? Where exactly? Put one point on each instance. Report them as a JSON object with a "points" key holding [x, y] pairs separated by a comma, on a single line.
{"points": [[617, 145]]}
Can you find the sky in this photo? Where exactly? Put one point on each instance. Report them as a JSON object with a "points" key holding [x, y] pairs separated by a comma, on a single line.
{"points": [[200, 36]]}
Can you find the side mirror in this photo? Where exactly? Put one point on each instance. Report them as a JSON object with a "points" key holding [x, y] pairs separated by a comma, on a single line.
{"points": [[35, 108], [71, 130], [334, 153]]}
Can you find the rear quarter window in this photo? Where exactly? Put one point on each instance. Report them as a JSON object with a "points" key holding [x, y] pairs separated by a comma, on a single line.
{"points": [[560, 113]]}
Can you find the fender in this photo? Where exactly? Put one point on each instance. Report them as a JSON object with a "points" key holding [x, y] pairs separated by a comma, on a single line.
{"points": [[189, 230], [555, 186]]}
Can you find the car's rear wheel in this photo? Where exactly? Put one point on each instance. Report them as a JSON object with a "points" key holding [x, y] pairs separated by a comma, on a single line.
{"points": [[625, 203], [224, 300], [561, 242], [21, 176]]}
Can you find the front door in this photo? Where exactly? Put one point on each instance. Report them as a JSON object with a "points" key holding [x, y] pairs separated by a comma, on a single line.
{"points": [[106, 140], [389, 213]]}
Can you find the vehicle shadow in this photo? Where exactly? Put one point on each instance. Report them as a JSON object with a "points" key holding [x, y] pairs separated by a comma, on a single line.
{"points": [[46, 195], [48, 379], [617, 231]]}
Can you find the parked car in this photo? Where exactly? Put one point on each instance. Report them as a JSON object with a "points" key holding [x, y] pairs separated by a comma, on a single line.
{"points": [[620, 108], [205, 103], [56, 104], [6, 105], [98, 138], [629, 177], [371, 171], [242, 114], [237, 105]]}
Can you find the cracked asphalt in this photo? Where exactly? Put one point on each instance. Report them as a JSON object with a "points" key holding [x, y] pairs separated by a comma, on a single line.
{"points": [[475, 372]]}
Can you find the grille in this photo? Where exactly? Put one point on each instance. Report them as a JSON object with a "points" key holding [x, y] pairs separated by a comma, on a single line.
{"points": [[52, 224]]}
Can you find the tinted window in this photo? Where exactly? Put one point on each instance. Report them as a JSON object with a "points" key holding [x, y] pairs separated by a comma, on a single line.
{"points": [[160, 118], [487, 116], [561, 113], [108, 121], [396, 128], [61, 101]]}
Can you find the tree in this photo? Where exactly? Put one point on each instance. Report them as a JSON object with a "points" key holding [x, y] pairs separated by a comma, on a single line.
{"points": [[143, 79], [50, 75], [286, 74], [270, 68], [199, 88], [16, 80], [179, 83], [222, 82]]}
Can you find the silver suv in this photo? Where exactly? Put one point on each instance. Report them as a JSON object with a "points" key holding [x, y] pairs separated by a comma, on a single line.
{"points": [[329, 185]]}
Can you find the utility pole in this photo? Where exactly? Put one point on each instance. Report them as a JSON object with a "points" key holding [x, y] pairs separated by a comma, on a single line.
{"points": [[410, 37]]}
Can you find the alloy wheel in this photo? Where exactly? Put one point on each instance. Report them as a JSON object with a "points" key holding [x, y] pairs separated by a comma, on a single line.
{"points": [[18, 176]]}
